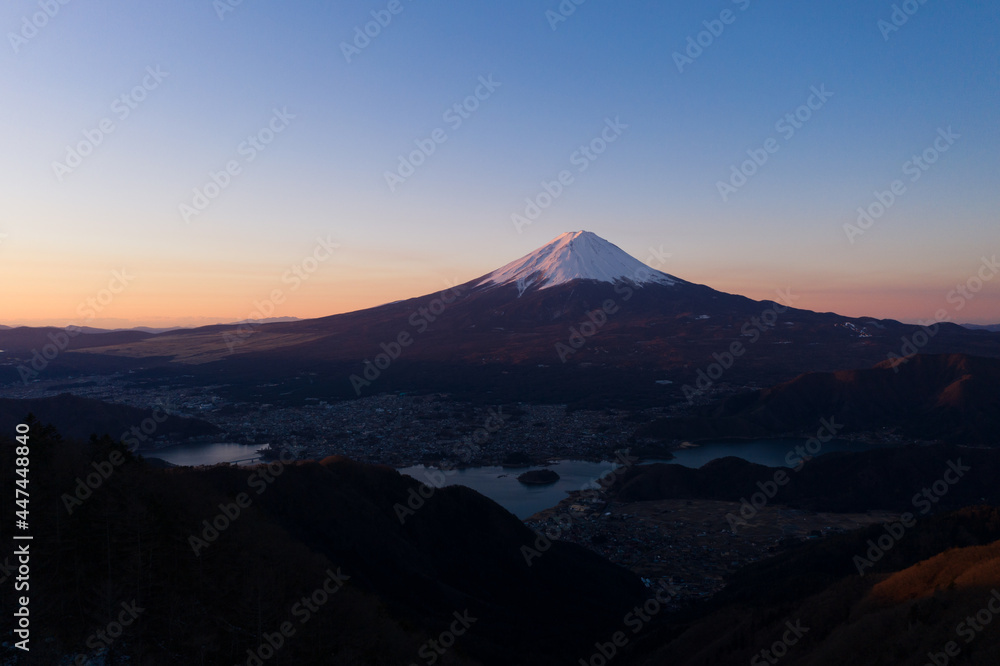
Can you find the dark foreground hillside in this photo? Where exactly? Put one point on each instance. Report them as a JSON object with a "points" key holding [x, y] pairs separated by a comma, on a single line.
{"points": [[454, 573], [932, 598], [892, 479], [945, 397], [335, 562], [79, 417]]}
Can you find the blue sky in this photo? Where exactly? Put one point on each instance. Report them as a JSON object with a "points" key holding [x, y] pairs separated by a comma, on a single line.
{"points": [[655, 186]]}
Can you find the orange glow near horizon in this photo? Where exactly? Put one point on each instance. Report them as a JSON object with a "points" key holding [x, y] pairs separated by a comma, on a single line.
{"points": [[167, 300], [219, 281]]}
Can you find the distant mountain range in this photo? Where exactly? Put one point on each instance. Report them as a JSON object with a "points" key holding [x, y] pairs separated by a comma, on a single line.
{"points": [[79, 418], [90, 330], [577, 320], [994, 328], [931, 397]]}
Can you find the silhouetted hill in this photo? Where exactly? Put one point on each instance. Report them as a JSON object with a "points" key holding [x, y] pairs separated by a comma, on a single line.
{"points": [[129, 540], [847, 482], [993, 328], [27, 338], [79, 418], [951, 397], [458, 553], [911, 602]]}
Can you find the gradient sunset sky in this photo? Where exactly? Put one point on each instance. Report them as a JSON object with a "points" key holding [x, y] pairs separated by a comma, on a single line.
{"points": [[223, 69]]}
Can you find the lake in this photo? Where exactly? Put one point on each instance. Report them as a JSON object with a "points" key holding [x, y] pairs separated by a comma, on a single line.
{"points": [[770, 452], [204, 454], [501, 485]]}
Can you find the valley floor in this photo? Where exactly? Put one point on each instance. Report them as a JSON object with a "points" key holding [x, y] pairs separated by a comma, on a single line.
{"points": [[396, 430], [688, 544]]}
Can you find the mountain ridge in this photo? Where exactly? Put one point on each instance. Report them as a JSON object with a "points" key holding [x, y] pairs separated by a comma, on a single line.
{"points": [[925, 396], [602, 334]]}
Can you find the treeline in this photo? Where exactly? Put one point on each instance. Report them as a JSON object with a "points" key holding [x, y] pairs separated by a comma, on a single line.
{"points": [[296, 563], [127, 542], [916, 479]]}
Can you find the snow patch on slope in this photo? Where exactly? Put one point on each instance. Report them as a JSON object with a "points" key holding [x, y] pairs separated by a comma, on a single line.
{"points": [[576, 255]]}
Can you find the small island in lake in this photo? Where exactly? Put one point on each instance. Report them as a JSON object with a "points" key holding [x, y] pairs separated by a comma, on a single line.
{"points": [[538, 477]]}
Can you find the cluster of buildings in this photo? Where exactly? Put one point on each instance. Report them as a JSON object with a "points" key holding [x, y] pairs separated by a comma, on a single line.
{"points": [[398, 430], [690, 546]]}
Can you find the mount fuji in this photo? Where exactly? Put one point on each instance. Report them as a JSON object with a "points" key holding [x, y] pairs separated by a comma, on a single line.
{"points": [[578, 255], [576, 319]]}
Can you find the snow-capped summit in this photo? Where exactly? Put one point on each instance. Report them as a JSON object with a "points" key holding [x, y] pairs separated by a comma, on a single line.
{"points": [[576, 255]]}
